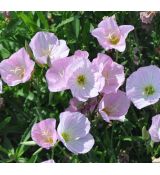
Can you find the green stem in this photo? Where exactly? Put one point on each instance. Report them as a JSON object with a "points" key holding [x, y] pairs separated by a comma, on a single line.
{"points": [[64, 152], [52, 153], [117, 56], [38, 151]]}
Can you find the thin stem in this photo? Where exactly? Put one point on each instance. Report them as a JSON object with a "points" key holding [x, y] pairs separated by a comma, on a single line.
{"points": [[117, 56]]}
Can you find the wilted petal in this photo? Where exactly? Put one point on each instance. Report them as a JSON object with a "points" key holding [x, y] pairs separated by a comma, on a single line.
{"points": [[154, 130]]}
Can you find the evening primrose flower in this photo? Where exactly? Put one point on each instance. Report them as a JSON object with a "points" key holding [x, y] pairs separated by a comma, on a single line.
{"points": [[44, 133], [83, 81], [154, 130], [73, 131], [110, 35], [147, 17], [46, 47], [17, 69], [143, 86], [56, 75], [114, 106], [111, 71]]}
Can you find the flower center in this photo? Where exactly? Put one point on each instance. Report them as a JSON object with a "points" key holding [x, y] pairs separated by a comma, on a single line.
{"points": [[47, 137], [149, 90], [81, 80], [49, 140], [19, 71], [66, 136], [107, 111], [113, 38], [46, 52]]}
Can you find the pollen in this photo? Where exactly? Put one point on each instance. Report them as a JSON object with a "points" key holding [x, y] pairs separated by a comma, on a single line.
{"points": [[19, 71], [47, 137], [81, 80], [149, 90], [66, 136], [113, 38], [107, 111]]}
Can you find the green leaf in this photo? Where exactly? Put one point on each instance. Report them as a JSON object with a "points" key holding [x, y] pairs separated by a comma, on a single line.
{"points": [[5, 122], [28, 21], [69, 20], [28, 143], [145, 134], [43, 19], [77, 26]]}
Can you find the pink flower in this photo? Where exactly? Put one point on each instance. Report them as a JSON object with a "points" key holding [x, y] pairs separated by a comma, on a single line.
{"points": [[46, 47], [147, 17], [83, 81], [44, 133], [114, 106], [0, 87], [143, 86], [56, 75], [80, 54], [84, 108], [154, 130], [110, 35], [49, 161], [111, 71], [17, 69], [73, 131]]}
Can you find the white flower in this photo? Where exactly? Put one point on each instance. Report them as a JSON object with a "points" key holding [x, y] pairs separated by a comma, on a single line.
{"points": [[143, 86]]}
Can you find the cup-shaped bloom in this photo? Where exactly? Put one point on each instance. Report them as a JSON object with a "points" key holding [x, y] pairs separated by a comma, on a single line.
{"points": [[73, 131], [147, 17], [56, 75], [111, 71], [49, 161], [143, 86], [17, 69], [114, 106], [46, 47], [44, 133], [154, 130], [0, 86], [110, 35], [83, 81]]}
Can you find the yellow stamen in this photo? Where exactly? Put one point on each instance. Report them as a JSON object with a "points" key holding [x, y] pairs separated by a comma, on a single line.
{"points": [[81, 80], [113, 38], [66, 136]]}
